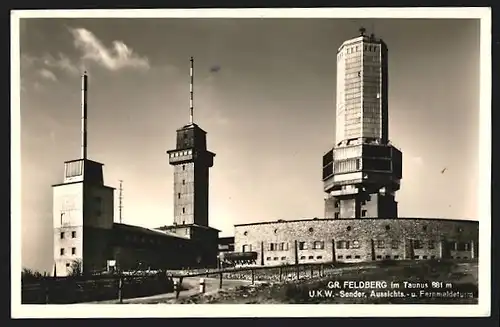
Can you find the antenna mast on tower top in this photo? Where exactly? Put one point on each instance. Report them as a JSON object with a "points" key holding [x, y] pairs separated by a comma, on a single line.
{"points": [[84, 116], [120, 199], [191, 74]]}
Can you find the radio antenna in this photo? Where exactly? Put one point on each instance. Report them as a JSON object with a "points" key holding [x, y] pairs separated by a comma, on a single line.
{"points": [[120, 199]]}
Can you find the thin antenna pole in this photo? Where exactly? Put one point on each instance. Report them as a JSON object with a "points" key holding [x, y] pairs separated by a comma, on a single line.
{"points": [[191, 74], [120, 199], [84, 116]]}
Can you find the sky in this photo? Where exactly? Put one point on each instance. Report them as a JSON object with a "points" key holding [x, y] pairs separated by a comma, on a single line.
{"points": [[268, 108]]}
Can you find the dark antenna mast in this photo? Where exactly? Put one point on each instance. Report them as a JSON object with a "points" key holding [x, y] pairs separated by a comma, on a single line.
{"points": [[120, 199], [84, 117], [191, 75]]}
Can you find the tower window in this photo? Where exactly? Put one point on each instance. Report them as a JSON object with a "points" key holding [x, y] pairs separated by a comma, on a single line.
{"points": [[183, 182], [363, 213], [178, 195], [73, 251], [183, 167], [73, 234], [319, 245], [183, 210], [417, 244], [61, 251], [62, 235]]}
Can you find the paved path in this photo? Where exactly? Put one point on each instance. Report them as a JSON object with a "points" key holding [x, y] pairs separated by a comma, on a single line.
{"points": [[192, 285]]}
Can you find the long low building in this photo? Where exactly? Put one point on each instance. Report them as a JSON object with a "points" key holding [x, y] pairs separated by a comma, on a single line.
{"points": [[356, 240]]}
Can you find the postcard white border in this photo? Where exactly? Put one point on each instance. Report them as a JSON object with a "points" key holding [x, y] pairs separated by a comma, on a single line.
{"points": [[241, 310]]}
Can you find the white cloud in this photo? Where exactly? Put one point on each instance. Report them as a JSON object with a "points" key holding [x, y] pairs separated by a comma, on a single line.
{"points": [[115, 58], [47, 74], [62, 62]]}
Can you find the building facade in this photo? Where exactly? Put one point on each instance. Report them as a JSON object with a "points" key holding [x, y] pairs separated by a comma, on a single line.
{"points": [[357, 240]]}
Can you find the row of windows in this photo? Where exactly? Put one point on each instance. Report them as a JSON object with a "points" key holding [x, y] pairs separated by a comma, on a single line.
{"points": [[371, 48], [278, 246], [62, 251], [380, 244], [311, 257], [317, 245], [348, 257], [63, 234], [180, 153], [355, 244], [74, 168], [348, 165]]}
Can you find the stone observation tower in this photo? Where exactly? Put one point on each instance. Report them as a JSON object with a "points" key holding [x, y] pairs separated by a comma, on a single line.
{"points": [[192, 161], [363, 170]]}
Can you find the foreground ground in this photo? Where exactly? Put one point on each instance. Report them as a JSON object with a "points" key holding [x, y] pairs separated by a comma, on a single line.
{"points": [[432, 282]]}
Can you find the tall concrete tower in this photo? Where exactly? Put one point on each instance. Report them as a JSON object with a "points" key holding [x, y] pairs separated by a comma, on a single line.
{"points": [[82, 209], [363, 170], [191, 161]]}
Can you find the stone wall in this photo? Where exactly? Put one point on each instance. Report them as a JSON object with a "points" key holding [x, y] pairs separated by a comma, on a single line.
{"points": [[325, 240]]}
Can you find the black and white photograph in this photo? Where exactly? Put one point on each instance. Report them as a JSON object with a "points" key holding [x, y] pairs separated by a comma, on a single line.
{"points": [[262, 157]]}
